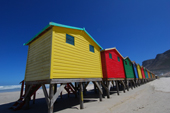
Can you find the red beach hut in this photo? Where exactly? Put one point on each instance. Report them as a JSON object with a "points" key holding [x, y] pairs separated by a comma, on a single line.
{"points": [[143, 73], [113, 69], [112, 63]]}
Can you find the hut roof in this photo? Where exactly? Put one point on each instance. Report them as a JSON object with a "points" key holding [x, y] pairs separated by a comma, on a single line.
{"points": [[113, 48], [59, 25], [128, 58]]}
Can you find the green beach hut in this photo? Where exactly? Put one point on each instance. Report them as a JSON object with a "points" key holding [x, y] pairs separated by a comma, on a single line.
{"points": [[128, 67]]}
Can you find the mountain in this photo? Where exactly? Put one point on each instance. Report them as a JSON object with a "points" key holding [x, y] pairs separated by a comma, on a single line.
{"points": [[160, 65]]}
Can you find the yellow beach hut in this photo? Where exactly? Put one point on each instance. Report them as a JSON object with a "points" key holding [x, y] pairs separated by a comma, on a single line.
{"points": [[139, 72], [61, 54]]}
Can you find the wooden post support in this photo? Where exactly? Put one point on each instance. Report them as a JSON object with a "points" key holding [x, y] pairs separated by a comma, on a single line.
{"points": [[112, 83], [45, 94], [131, 84], [135, 81], [76, 89], [127, 85], [100, 94], [22, 88], [108, 88], [134, 85], [139, 82], [61, 95], [85, 86], [27, 96], [123, 86], [34, 96], [95, 89], [97, 85], [55, 88], [54, 98], [81, 95], [117, 87], [51, 93]]}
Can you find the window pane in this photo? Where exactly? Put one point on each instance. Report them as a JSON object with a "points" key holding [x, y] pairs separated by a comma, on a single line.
{"points": [[69, 39], [125, 62], [118, 59], [110, 55], [91, 48]]}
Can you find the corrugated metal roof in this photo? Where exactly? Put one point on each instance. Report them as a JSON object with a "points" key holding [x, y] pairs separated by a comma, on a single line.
{"points": [[60, 25]]}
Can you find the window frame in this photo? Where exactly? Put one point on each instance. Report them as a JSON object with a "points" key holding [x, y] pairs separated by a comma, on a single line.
{"points": [[68, 38], [91, 48], [118, 58], [110, 55], [125, 62]]}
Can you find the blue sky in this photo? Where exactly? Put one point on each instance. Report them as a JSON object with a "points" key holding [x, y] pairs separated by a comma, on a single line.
{"points": [[137, 28]]}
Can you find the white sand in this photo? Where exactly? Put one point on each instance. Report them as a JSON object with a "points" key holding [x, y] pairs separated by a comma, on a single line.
{"points": [[162, 84], [152, 97]]}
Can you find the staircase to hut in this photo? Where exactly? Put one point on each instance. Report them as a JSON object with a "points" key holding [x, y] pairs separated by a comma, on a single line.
{"points": [[32, 92], [21, 101], [70, 88]]}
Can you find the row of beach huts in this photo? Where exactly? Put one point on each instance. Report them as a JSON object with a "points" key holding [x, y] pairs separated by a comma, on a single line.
{"points": [[70, 57]]}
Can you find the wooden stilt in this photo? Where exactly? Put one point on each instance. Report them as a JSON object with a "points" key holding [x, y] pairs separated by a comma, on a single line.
{"points": [[139, 82], [76, 89], [85, 86], [61, 95], [134, 85], [34, 98], [27, 102], [107, 90], [22, 88], [123, 86], [54, 98], [100, 94], [55, 88], [51, 93], [117, 87], [131, 84], [127, 85], [45, 94], [95, 89], [81, 95], [27, 96], [112, 83]]}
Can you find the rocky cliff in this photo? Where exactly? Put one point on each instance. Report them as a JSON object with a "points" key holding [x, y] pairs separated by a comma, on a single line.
{"points": [[160, 65]]}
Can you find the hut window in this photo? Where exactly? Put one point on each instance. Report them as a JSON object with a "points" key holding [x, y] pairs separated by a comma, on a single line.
{"points": [[129, 63], [69, 39], [110, 55], [126, 62], [118, 59], [91, 48]]}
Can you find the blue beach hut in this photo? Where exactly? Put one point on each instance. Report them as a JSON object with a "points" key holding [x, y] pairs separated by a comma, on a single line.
{"points": [[135, 72], [135, 69]]}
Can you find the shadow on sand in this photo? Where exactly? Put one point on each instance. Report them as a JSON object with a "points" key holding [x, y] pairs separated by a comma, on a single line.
{"points": [[63, 103]]}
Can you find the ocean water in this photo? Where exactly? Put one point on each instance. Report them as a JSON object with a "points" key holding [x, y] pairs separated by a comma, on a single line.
{"points": [[10, 88], [13, 88]]}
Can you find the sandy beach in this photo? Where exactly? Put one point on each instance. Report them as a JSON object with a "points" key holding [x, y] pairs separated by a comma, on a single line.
{"points": [[152, 97]]}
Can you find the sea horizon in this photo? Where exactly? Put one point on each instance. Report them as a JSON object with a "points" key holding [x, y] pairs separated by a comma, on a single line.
{"points": [[9, 88]]}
